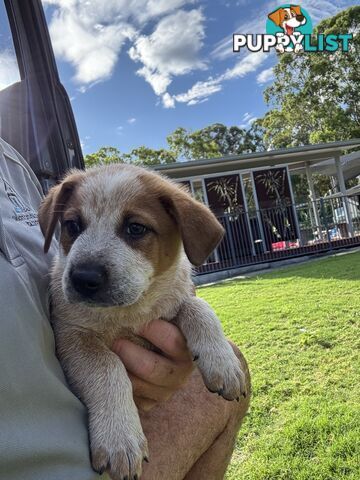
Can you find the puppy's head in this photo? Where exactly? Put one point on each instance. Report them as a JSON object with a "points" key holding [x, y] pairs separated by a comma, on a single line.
{"points": [[288, 18], [121, 227]]}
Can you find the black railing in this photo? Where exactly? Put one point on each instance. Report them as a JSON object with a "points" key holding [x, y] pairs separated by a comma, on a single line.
{"points": [[265, 235]]}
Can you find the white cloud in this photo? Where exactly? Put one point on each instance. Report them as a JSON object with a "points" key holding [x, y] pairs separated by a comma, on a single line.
{"points": [[91, 34], [111, 11], [247, 119], [60, 3], [119, 129], [246, 65], [196, 101], [168, 101], [171, 50], [87, 42], [265, 76], [155, 8], [9, 70], [131, 120], [201, 91]]}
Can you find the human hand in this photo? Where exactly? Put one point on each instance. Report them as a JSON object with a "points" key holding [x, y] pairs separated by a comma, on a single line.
{"points": [[155, 377]]}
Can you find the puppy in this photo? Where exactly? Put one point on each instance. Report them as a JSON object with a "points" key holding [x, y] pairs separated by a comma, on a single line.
{"points": [[128, 238], [288, 19]]}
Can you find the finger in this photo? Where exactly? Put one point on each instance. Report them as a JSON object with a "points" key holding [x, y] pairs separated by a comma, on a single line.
{"points": [[168, 338], [148, 365], [146, 391]]}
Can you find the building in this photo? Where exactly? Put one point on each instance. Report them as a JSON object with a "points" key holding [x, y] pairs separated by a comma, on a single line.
{"points": [[252, 196]]}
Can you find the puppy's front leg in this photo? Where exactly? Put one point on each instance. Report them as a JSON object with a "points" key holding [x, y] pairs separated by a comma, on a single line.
{"points": [[99, 378], [216, 360]]}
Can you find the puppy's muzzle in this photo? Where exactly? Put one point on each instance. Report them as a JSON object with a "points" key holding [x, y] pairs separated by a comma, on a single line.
{"points": [[300, 18], [88, 279]]}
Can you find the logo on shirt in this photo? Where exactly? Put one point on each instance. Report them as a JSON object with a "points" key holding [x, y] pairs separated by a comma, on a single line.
{"points": [[22, 212]]}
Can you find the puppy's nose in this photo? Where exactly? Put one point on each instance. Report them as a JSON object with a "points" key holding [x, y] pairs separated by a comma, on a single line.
{"points": [[88, 279], [300, 18]]}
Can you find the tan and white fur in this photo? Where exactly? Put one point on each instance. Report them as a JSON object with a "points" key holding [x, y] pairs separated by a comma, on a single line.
{"points": [[128, 238]]}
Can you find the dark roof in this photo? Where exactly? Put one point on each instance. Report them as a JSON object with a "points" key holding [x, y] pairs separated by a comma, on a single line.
{"points": [[248, 161]]}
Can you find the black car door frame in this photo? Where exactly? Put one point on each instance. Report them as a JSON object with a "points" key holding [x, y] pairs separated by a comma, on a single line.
{"points": [[53, 144]]}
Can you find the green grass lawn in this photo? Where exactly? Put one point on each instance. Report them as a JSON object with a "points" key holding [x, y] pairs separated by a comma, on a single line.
{"points": [[299, 331]]}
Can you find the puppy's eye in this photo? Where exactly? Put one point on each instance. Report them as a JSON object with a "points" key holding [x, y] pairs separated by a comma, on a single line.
{"points": [[73, 228], [136, 230]]}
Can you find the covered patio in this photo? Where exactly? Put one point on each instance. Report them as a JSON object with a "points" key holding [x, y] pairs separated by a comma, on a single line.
{"points": [[252, 196]]}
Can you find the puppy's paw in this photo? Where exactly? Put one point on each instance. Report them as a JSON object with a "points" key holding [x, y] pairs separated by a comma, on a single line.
{"points": [[221, 371], [120, 455]]}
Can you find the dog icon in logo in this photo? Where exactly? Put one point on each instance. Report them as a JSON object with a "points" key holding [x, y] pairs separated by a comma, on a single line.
{"points": [[289, 19]]}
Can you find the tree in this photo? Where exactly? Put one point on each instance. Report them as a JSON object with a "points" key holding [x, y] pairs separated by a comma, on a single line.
{"points": [[148, 156], [104, 156], [138, 156], [316, 95], [179, 143], [215, 140], [228, 140]]}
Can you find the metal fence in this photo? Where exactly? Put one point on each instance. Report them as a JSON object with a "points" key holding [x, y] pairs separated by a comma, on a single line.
{"points": [[288, 230]]}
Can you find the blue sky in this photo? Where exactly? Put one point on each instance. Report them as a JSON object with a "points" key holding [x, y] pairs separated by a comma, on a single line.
{"points": [[137, 69]]}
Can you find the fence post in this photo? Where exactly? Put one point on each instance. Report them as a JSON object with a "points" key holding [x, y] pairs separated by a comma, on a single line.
{"points": [[324, 219], [344, 199], [312, 196], [229, 232]]}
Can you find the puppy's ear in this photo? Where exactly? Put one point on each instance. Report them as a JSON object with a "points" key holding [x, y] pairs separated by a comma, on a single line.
{"points": [[200, 231], [276, 16], [296, 9], [53, 206]]}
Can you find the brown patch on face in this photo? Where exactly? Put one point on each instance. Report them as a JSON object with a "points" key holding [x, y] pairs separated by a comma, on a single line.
{"points": [[296, 9], [278, 16], [55, 204], [161, 244], [72, 212], [175, 217]]}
